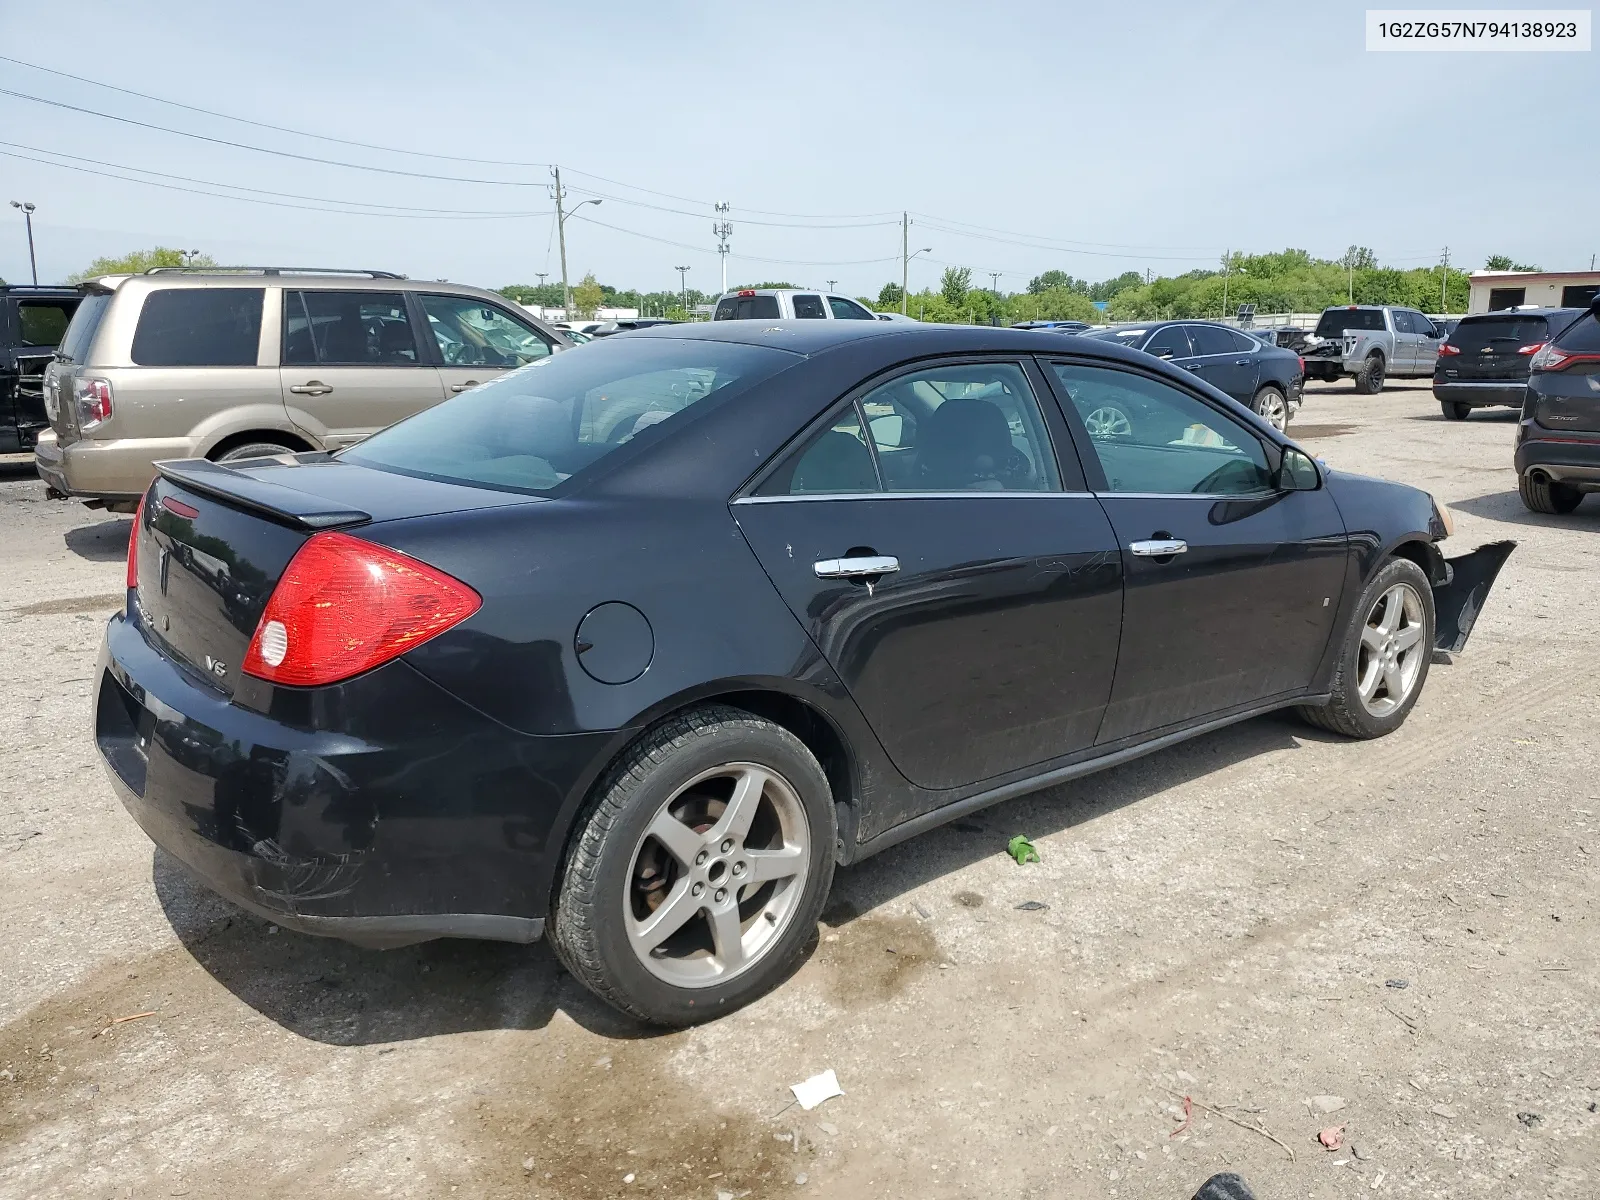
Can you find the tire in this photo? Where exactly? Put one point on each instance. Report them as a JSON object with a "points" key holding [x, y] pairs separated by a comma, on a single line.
{"points": [[1455, 410], [1366, 645], [254, 450], [619, 877], [1273, 406], [1547, 495], [1369, 380]]}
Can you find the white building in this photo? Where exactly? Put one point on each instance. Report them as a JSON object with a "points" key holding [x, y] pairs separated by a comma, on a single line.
{"points": [[1494, 290], [600, 314]]}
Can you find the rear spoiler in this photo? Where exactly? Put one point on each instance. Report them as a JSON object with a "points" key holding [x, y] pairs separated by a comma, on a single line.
{"points": [[242, 489]]}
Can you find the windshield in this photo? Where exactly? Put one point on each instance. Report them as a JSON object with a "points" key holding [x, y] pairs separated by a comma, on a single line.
{"points": [[535, 428], [747, 308], [1125, 335], [1336, 320]]}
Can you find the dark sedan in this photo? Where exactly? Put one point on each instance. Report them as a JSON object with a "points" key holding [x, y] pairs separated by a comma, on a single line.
{"points": [[636, 645], [1558, 437], [1484, 360], [1262, 377]]}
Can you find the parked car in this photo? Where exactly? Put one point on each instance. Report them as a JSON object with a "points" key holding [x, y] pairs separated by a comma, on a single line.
{"points": [[1558, 437], [1058, 326], [577, 337], [789, 304], [874, 579], [236, 363], [33, 321], [1484, 362], [623, 324], [898, 318], [1371, 342], [1261, 377]]}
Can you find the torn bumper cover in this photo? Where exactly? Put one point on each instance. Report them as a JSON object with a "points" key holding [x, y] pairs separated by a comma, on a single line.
{"points": [[1459, 599]]}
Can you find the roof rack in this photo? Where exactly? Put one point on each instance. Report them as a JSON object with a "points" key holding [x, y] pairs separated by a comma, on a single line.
{"points": [[270, 271]]}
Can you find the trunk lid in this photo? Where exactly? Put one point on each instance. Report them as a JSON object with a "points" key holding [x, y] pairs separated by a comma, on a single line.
{"points": [[1568, 400], [213, 540], [1489, 348]]}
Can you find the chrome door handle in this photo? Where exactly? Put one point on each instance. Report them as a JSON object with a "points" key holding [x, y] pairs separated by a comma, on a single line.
{"points": [[461, 387], [1191, 366], [1241, 362], [314, 388], [1158, 547], [855, 568]]}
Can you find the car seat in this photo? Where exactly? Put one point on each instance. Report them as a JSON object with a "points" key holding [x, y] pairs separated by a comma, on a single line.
{"points": [[966, 446]]}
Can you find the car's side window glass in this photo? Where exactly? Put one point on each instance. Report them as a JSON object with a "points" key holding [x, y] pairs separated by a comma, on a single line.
{"points": [[809, 308], [834, 462], [1422, 325], [1241, 343], [1169, 342], [199, 327], [471, 333], [1152, 437], [848, 310], [961, 428], [1402, 322], [1210, 339], [332, 328]]}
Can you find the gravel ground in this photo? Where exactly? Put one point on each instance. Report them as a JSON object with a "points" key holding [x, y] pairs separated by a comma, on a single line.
{"points": [[1292, 930]]}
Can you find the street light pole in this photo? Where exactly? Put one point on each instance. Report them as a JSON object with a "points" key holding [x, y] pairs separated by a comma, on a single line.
{"points": [[683, 287], [28, 207], [905, 264], [562, 213]]}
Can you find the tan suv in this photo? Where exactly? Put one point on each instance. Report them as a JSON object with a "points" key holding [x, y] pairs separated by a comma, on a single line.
{"points": [[239, 362]]}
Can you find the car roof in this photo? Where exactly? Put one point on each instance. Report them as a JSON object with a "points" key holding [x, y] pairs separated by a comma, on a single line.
{"points": [[916, 338], [1553, 310]]}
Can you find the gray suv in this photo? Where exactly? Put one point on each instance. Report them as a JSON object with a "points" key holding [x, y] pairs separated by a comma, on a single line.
{"points": [[227, 363]]}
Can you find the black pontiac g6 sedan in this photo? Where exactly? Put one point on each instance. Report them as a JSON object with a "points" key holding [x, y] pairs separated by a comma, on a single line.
{"points": [[637, 643]]}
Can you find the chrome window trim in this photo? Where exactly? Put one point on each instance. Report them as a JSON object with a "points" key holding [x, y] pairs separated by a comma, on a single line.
{"points": [[984, 495]]}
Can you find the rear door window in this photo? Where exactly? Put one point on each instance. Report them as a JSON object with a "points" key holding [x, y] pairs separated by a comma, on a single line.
{"points": [[44, 322], [848, 310], [1169, 342], [809, 308], [1209, 339], [199, 327], [334, 328]]}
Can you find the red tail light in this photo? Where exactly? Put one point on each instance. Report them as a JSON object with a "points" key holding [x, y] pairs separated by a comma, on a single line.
{"points": [[1302, 359], [344, 606], [93, 398], [133, 545], [1446, 349], [1533, 349], [1550, 357]]}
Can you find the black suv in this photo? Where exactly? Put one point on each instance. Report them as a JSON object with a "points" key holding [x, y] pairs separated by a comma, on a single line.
{"points": [[32, 322], [1558, 439], [1484, 361]]}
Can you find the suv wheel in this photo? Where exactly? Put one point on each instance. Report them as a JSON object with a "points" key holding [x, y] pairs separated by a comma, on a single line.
{"points": [[1455, 410], [1547, 496], [1369, 380], [697, 878], [1271, 405], [254, 450], [1384, 659]]}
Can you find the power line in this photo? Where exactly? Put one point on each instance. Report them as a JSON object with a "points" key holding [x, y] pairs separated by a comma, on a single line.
{"points": [[685, 213], [788, 262], [80, 80], [707, 203], [967, 225]]}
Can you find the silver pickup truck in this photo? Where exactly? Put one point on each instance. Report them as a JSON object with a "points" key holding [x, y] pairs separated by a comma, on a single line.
{"points": [[1370, 342]]}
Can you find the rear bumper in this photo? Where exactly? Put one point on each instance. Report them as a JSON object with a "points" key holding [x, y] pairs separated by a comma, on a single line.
{"points": [[1571, 460], [113, 469], [426, 820], [1483, 394]]}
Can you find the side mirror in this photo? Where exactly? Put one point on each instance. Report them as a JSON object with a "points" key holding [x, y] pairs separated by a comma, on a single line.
{"points": [[1297, 473]]}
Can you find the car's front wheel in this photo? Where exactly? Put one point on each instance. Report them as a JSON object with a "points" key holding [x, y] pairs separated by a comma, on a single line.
{"points": [[696, 879], [1454, 410], [1542, 495], [1272, 405], [1384, 655]]}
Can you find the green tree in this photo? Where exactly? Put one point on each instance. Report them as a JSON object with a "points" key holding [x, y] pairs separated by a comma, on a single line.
{"points": [[954, 284], [889, 297], [1106, 289], [141, 260], [1047, 281], [588, 296], [548, 294], [1358, 258], [1502, 262]]}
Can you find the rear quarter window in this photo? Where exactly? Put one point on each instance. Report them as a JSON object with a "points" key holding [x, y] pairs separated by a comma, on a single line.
{"points": [[1582, 336], [199, 327]]}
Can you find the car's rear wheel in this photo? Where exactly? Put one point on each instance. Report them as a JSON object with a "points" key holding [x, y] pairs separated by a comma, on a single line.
{"points": [[1544, 495], [697, 877], [1273, 406], [1369, 380], [1384, 657], [1455, 410], [261, 449]]}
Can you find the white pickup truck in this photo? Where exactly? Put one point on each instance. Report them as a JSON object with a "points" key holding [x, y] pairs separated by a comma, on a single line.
{"points": [[1370, 342]]}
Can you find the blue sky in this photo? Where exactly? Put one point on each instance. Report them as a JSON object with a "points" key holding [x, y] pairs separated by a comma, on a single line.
{"points": [[1106, 137]]}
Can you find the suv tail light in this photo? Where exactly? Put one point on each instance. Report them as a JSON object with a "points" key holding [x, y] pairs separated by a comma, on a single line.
{"points": [[1446, 349], [344, 606], [93, 399], [1533, 349], [1550, 357], [133, 546]]}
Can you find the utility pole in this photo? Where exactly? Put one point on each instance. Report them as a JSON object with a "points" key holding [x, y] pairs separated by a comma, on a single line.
{"points": [[1444, 284], [724, 230], [562, 213], [905, 259], [994, 282], [28, 207], [683, 286], [1351, 263], [1227, 264]]}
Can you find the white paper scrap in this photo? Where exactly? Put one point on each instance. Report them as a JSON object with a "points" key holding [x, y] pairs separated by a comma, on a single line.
{"points": [[817, 1089]]}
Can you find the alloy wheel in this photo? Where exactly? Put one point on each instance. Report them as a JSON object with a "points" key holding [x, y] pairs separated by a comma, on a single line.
{"points": [[1108, 421], [717, 876], [1392, 651], [1274, 409]]}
